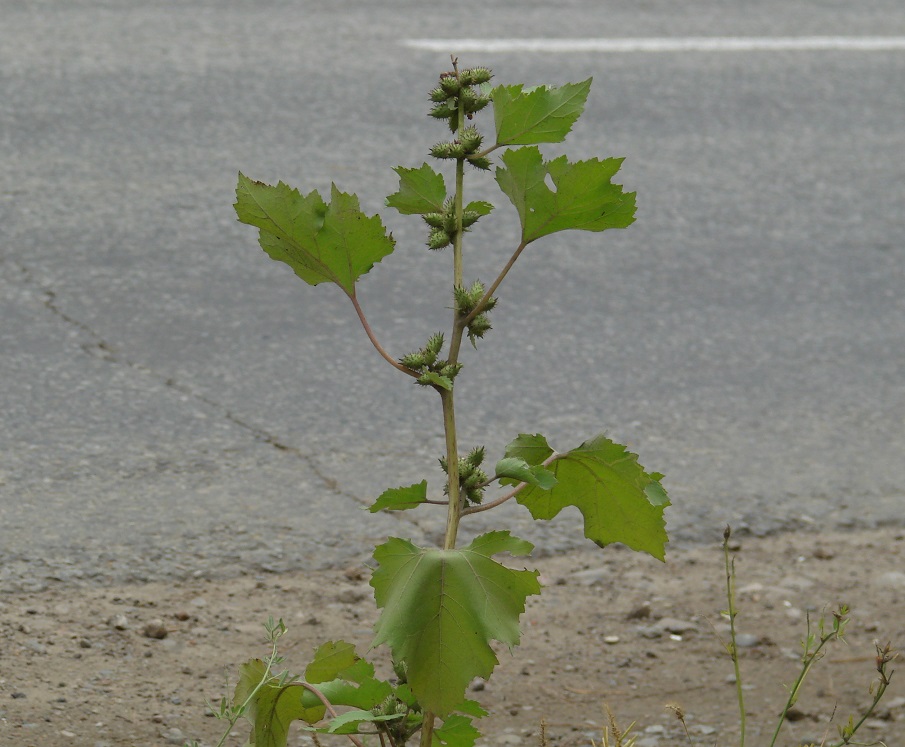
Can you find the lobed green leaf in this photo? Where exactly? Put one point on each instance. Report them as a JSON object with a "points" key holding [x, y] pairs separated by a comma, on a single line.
{"points": [[582, 198], [421, 191], [515, 470], [400, 499], [533, 449], [456, 731], [544, 114], [321, 242], [348, 722], [270, 710], [330, 660], [442, 608], [619, 501]]}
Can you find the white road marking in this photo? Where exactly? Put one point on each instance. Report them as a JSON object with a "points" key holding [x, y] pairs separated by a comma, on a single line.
{"points": [[668, 44]]}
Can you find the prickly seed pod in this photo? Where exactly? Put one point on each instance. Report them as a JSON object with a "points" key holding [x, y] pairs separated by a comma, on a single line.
{"points": [[469, 218], [387, 707], [465, 302], [480, 75], [434, 346], [434, 220], [474, 497], [476, 456], [415, 361], [475, 76], [401, 670], [449, 223], [471, 139], [438, 95], [474, 479], [473, 102], [450, 84], [444, 110], [483, 163], [479, 326], [451, 371], [448, 150], [438, 239]]}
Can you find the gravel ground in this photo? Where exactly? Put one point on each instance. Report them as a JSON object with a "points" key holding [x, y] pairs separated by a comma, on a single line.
{"points": [[81, 664]]}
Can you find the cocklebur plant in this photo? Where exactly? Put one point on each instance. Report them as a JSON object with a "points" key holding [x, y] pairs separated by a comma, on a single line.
{"points": [[442, 607]]}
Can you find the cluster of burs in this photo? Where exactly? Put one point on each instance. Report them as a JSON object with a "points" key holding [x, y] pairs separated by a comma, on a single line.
{"points": [[457, 98]]}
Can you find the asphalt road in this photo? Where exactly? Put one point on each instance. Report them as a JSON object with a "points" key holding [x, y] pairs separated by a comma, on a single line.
{"points": [[174, 403]]}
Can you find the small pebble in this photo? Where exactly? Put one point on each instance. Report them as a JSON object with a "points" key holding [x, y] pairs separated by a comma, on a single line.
{"points": [[119, 622], [350, 596], [641, 612], [174, 736], [672, 625], [593, 576], [155, 629]]}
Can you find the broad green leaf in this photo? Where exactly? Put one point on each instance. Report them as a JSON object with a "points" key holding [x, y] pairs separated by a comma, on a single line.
{"points": [[347, 723], [277, 704], [273, 707], [421, 191], [534, 449], [620, 502], [456, 731], [583, 197], [515, 470], [321, 242], [400, 499], [479, 206], [442, 608], [537, 115], [365, 693], [330, 660], [471, 708]]}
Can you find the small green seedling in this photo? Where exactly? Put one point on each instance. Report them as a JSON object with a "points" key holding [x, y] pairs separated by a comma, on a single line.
{"points": [[443, 607]]}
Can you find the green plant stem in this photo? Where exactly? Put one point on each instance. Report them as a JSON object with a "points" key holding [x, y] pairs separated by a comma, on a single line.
{"points": [[329, 706], [455, 341], [881, 691], [511, 494], [481, 305], [237, 713], [808, 661], [733, 646], [370, 333], [454, 511]]}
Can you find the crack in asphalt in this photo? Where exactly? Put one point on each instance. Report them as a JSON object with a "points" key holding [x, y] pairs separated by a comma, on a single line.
{"points": [[106, 351]]}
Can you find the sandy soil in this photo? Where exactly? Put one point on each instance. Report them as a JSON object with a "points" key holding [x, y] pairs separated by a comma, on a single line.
{"points": [[600, 633]]}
